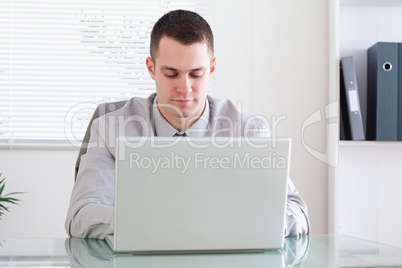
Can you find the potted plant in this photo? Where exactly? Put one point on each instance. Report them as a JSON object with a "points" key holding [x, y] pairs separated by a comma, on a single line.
{"points": [[4, 199]]}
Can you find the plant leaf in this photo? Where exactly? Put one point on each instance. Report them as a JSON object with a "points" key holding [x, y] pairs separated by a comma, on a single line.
{"points": [[6, 198], [10, 201], [2, 186], [14, 193], [2, 207]]}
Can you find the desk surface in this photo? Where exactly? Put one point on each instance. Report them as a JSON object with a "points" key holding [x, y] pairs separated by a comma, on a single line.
{"points": [[313, 251]]}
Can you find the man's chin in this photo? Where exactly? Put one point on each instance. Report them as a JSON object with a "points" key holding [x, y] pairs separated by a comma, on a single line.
{"points": [[183, 114], [182, 111]]}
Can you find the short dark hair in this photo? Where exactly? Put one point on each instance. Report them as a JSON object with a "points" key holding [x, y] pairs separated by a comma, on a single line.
{"points": [[184, 26]]}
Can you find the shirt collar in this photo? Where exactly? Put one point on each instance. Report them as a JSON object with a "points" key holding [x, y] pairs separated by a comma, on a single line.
{"points": [[164, 129]]}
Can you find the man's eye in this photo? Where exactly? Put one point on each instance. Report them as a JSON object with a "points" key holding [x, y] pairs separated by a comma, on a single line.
{"points": [[196, 75], [170, 75]]}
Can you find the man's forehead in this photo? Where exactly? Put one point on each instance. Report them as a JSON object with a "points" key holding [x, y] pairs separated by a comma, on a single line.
{"points": [[171, 68], [182, 58], [169, 47]]}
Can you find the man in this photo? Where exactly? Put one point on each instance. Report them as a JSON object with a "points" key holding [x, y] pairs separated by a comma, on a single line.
{"points": [[182, 64]]}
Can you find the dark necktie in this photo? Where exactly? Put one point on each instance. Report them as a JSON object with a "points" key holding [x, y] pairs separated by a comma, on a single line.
{"points": [[180, 134]]}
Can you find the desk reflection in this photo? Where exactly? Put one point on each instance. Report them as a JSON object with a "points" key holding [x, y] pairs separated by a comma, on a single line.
{"points": [[97, 253]]}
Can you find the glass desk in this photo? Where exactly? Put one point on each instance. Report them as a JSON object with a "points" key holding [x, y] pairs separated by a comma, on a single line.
{"points": [[314, 251]]}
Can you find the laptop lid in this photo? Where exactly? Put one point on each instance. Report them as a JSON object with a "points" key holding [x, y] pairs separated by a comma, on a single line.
{"points": [[200, 194]]}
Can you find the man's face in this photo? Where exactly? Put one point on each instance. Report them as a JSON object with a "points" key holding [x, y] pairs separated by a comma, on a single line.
{"points": [[181, 74]]}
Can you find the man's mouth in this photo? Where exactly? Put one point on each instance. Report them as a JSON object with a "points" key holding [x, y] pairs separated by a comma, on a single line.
{"points": [[183, 101]]}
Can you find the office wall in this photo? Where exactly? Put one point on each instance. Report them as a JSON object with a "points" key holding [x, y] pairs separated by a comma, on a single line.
{"points": [[46, 177], [272, 56], [290, 82]]}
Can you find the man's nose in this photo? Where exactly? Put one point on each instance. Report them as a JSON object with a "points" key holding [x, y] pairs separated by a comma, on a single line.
{"points": [[184, 85]]}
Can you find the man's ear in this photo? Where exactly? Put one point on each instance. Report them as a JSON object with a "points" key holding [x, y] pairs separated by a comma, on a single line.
{"points": [[212, 68], [151, 67]]}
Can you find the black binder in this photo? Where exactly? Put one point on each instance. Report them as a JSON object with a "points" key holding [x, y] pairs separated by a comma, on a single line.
{"points": [[399, 105], [382, 91], [351, 116]]}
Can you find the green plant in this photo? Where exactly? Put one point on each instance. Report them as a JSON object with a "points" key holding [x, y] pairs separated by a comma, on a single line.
{"points": [[6, 198]]}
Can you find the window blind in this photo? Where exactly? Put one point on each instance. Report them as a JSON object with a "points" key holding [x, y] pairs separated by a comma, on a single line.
{"points": [[60, 59]]}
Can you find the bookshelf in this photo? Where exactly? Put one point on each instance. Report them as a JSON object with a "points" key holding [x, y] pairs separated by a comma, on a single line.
{"points": [[361, 24], [363, 187]]}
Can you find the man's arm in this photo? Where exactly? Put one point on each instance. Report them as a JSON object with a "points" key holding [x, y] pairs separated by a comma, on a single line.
{"points": [[296, 220], [92, 200]]}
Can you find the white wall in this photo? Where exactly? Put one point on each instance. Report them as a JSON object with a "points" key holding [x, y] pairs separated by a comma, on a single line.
{"points": [[272, 56], [370, 184], [46, 177], [233, 50], [291, 78]]}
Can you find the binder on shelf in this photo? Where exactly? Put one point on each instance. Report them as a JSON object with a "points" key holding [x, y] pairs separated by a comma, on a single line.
{"points": [[399, 104], [341, 127], [382, 91], [351, 116]]}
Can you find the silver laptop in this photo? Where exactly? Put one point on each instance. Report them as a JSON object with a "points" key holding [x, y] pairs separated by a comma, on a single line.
{"points": [[200, 194]]}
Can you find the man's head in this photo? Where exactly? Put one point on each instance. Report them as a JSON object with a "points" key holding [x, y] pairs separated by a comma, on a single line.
{"points": [[184, 26], [182, 65]]}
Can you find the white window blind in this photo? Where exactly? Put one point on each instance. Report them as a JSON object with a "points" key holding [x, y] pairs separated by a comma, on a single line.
{"points": [[60, 59]]}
